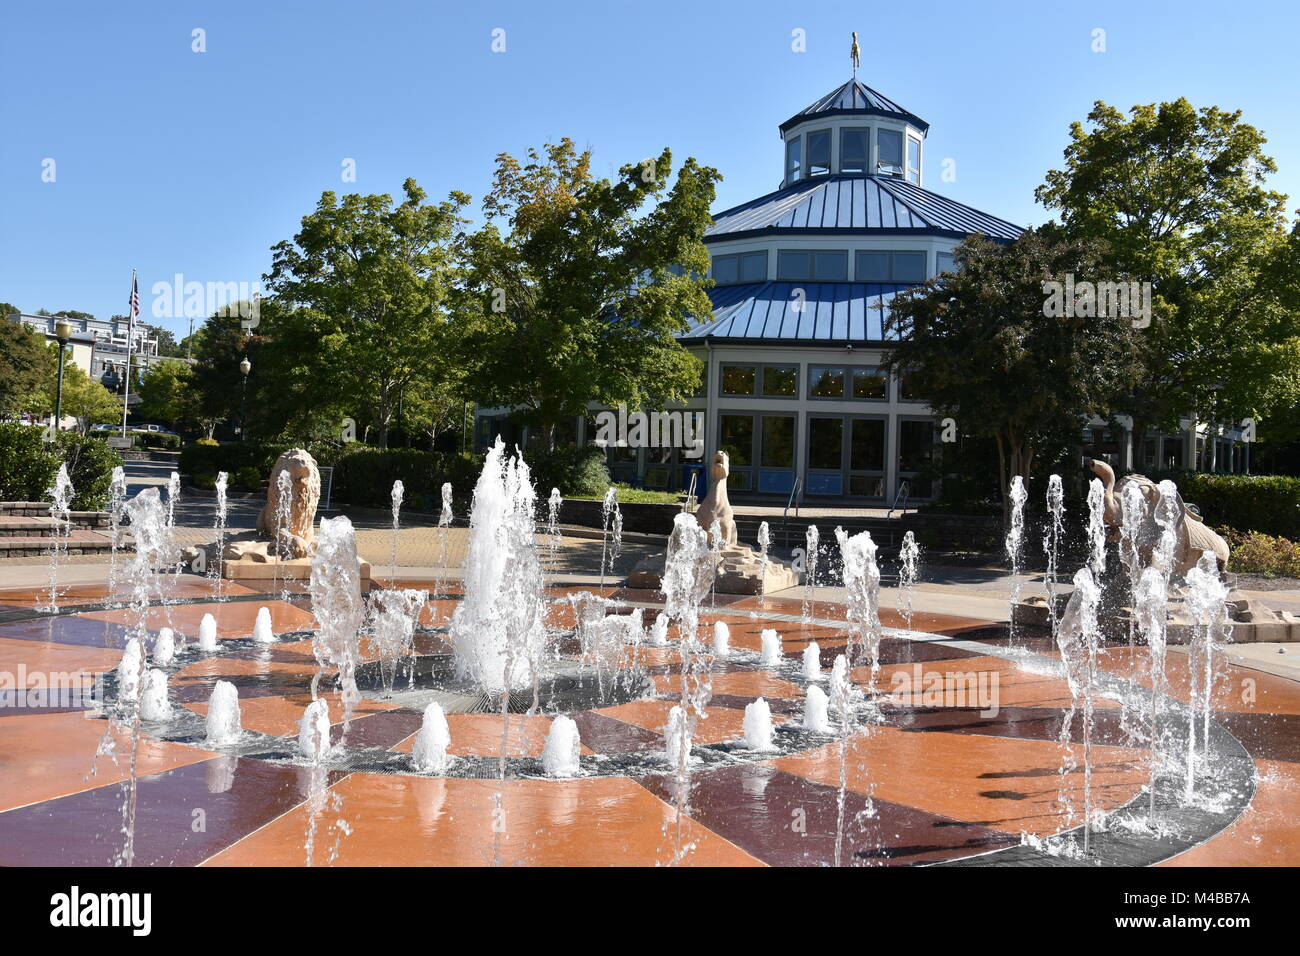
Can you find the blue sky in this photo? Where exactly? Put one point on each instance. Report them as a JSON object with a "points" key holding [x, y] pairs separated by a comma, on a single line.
{"points": [[171, 161]]}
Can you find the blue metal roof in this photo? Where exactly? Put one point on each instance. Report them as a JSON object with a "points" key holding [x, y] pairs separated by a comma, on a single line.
{"points": [[857, 203], [833, 312], [855, 98]]}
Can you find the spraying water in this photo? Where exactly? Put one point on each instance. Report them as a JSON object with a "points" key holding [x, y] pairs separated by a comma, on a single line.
{"points": [[1206, 605], [721, 638], [208, 634], [497, 629], [811, 544], [862, 587], [841, 697], [116, 510], [764, 543], [816, 711], [220, 528], [60, 532], [1151, 597], [314, 731], [1096, 529], [1014, 543], [164, 647], [1078, 639], [336, 601], [393, 617], [770, 642], [562, 754], [687, 577], [812, 662], [553, 504], [611, 524], [1052, 541], [444, 522], [223, 720], [262, 632], [398, 491], [432, 743], [659, 631], [909, 559], [154, 705], [173, 495], [757, 726]]}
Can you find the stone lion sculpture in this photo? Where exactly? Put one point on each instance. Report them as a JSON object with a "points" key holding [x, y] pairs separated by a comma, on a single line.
{"points": [[716, 504], [299, 534], [1193, 536]]}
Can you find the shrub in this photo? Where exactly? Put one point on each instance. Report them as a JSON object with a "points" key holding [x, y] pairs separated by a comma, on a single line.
{"points": [[28, 465], [364, 476], [208, 442], [157, 440], [1266, 503], [1256, 553], [247, 478], [577, 472]]}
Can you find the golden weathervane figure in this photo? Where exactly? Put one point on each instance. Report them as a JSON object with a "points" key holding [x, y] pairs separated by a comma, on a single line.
{"points": [[853, 54]]}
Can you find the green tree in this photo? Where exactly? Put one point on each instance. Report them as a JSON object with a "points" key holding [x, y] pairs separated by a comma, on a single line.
{"points": [[168, 394], [1179, 195], [364, 290], [220, 344], [25, 368], [978, 345], [83, 398], [577, 290]]}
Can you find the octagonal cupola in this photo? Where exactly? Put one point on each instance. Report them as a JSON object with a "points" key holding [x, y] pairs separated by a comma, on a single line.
{"points": [[853, 130]]}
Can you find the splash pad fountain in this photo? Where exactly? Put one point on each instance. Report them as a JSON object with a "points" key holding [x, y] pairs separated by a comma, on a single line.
{"points": [[525, 692]]}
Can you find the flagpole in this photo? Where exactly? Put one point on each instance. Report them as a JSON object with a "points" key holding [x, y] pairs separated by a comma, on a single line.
{"points": [[130, 345]]}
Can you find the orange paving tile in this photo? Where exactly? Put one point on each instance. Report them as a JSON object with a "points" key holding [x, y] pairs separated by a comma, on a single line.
{"points": [[1003, 783], [1266, 834], [52, 659], [1015, 688], [435, 821], [1237, 689], [43, 756], [740, 683], [234, 618], [187, 586]]}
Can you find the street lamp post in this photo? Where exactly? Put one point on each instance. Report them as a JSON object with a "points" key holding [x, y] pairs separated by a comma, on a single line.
{"points": [[62, 332], [245, 366]]}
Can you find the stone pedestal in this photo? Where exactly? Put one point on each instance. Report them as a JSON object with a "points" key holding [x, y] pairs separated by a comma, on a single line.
{"points": [[739, 571], [256, 561]]}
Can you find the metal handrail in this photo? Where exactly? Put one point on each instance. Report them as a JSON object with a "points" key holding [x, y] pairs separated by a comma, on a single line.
{"points": [[900, 497], [785, 515], [690, 493]]}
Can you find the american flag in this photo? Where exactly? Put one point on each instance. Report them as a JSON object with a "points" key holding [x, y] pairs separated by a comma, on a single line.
{"points": [[135, 297]]}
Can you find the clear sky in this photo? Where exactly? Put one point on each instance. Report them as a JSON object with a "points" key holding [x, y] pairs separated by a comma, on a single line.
{"points": [[171, 161]]}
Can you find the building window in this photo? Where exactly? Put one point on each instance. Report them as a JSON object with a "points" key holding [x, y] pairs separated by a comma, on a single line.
{"points": [[870, 383], [907, 391], [854, 150], [913, 160], [738, 379], [819, 153], [944, 262], [781, 381], [825, 382], [889, 147], [794, 265], [740, 267], [793, 159], [736, 438], [778, 441], [890, 267], [866, 447], [825, 443]]}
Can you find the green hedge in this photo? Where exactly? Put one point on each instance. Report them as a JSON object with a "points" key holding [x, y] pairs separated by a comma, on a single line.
{"points": [[1266, 503], [365, 477], [577, 472], [28, 465]]}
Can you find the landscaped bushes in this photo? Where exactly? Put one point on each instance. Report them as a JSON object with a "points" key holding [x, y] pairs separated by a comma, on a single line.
{"points": [[365, 476], [1255, 553], [28, 465], [577, 472], [1266, 503]]}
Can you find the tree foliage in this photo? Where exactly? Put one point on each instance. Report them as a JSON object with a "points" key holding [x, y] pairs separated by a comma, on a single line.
{"points": [[1180, 196], [25, 368], [578, 285], [979, 347]]}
